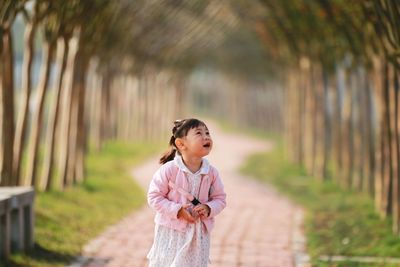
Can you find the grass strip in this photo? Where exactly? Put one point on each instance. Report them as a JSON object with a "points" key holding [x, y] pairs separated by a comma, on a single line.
{"points": [[338, 222], [65, 221]]}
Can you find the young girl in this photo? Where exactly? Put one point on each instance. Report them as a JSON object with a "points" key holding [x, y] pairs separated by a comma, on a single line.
{"points": [[187, 193]]}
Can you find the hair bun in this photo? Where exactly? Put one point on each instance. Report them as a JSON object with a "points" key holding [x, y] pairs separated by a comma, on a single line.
{"points": [[177, 125]]}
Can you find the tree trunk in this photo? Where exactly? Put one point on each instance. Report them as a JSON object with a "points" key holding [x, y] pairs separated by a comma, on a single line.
{"points": [[134, 131], [327, 127], [129, 102], [7, 105], [63, 137], [37, 120], [146, 109], [396, 178], [340, 93], [180, 96], [2, 104], [48, 162], [96, 121], [105, 119], [301, 117], [141, 107], [73, 123], [21, 127], [79, 165], [314, 145], [388, 178], [378, 79], [350, 135], [370, 111], [361, 140]]}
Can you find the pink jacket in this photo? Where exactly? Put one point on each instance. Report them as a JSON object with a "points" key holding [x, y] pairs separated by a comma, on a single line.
{"points": [[167, 201]]}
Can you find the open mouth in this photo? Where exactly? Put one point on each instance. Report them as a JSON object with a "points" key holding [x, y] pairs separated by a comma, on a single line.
{"points": [[207, 145]]}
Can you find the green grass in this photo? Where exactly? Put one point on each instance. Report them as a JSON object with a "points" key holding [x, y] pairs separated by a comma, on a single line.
{"points": [[252, 131], [65, 221], [338, 222]]}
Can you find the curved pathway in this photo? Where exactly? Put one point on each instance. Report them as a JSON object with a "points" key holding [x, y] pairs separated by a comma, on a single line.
{"points": [[259, 227]]}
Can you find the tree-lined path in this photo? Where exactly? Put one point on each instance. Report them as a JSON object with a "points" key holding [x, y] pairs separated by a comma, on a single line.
{"points": [[81, 79], [256, 228]]}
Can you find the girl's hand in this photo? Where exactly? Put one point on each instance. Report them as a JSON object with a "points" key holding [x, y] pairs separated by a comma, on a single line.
{"points": [[184, 214], [203, 210]]}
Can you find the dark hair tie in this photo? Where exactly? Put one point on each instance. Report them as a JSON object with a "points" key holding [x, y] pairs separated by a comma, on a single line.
{"points": [[177, 126]]}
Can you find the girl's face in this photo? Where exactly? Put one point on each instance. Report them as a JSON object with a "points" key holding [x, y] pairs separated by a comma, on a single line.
{"points": [[197, 142]]}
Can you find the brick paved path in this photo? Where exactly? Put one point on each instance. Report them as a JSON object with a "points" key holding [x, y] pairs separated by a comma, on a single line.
{"points": [[259, 227]]}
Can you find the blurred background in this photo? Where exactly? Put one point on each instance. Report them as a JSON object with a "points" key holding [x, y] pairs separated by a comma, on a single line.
{"points": [[79, 78]]}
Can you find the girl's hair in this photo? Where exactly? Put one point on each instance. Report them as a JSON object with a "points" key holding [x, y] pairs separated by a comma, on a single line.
{"points": [[180, 130]]}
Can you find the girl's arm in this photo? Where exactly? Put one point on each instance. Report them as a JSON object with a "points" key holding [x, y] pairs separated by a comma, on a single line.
{"points": [[217, 198], [157, 195]]}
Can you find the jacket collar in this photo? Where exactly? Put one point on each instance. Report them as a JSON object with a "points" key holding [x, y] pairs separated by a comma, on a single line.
{"points": [[205, 165]]}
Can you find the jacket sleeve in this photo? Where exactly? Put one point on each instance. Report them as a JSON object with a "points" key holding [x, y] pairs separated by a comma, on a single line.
{"points": [[157, 195], [217, 198]]}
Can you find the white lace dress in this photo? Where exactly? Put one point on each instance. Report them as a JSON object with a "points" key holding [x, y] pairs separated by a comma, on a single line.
{"points": [[182, 249]]}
